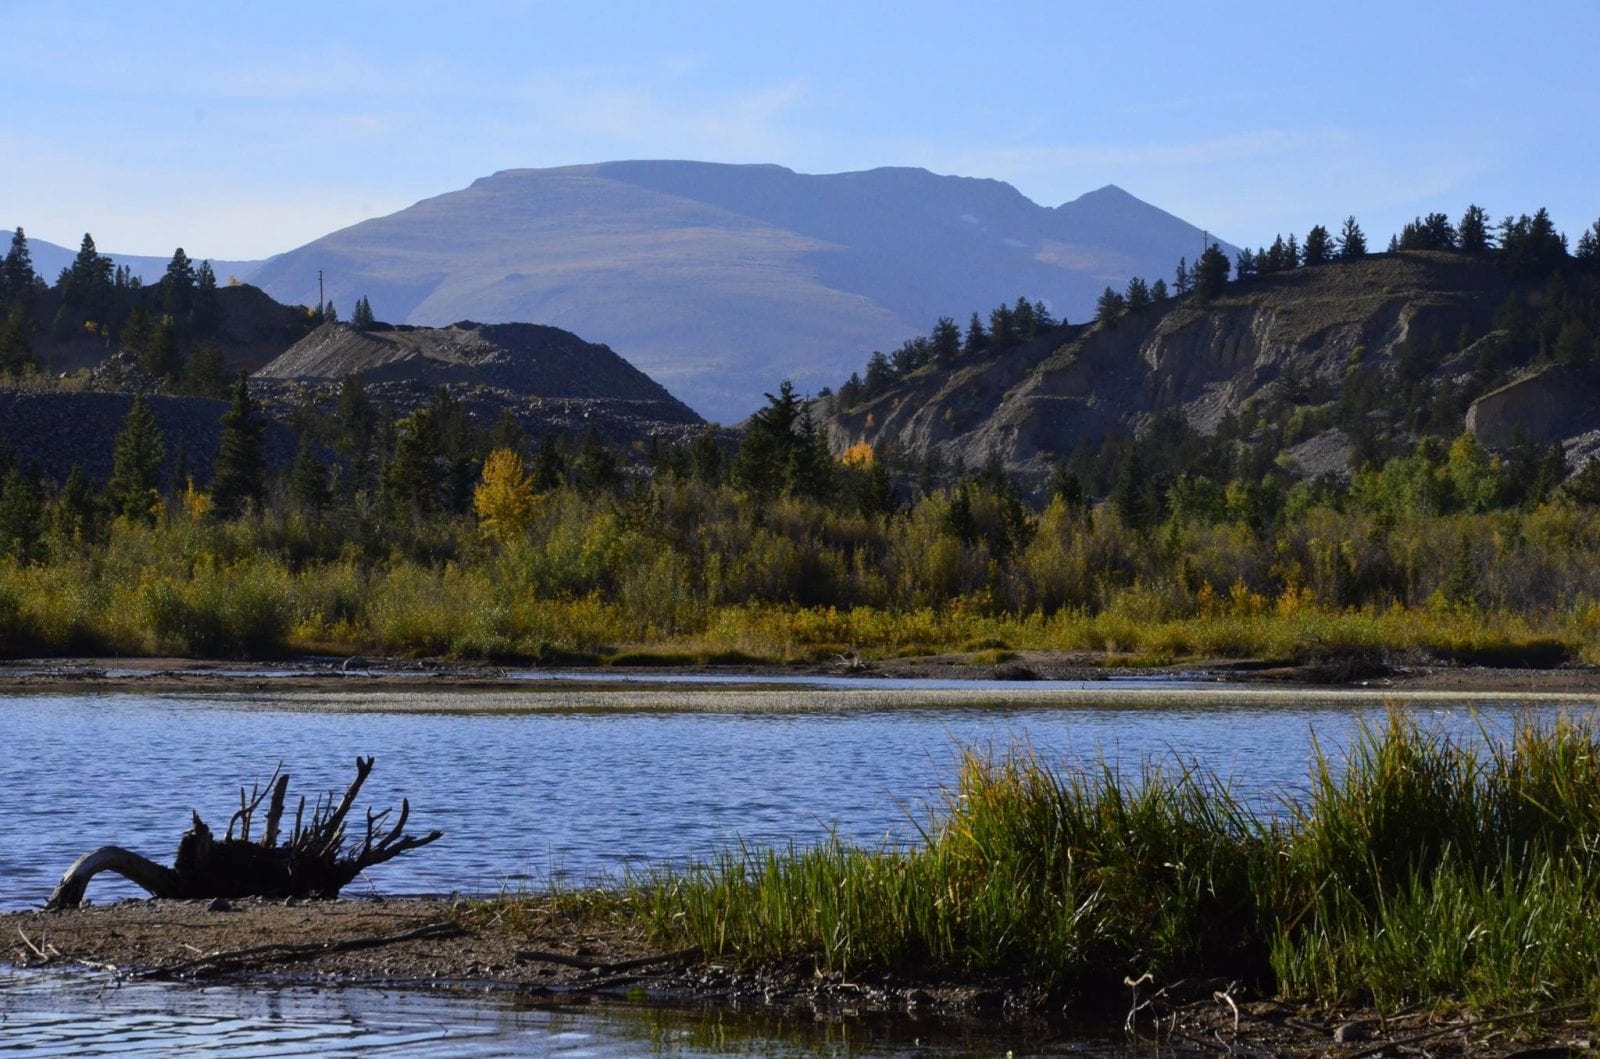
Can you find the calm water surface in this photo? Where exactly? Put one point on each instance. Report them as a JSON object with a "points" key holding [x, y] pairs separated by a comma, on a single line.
{"points": [[545, 794], [528, 797]]}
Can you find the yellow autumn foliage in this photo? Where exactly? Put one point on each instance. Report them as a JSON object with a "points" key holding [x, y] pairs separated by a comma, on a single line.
{"points": [[504, 500], [858, 455]]}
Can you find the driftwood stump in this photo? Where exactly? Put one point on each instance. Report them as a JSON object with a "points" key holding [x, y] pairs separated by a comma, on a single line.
{"points": [[314, 862]]}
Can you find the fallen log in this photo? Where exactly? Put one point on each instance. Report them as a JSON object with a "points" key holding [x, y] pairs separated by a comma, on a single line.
{"points": [[316, 861]]}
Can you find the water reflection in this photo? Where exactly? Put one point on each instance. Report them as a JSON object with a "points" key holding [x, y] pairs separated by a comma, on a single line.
{"points": [[58, 1013]]}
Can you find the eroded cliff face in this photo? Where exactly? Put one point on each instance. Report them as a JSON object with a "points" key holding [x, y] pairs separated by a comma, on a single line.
{"points": [[1301, 335]]}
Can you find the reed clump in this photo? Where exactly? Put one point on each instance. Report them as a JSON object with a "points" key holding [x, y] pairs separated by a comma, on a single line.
{"points": [[1421, 869]]}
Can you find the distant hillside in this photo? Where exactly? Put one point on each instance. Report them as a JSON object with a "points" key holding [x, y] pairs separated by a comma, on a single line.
{"points": [[250, 330], [552, 380], [721, 280], [1318, 365]]}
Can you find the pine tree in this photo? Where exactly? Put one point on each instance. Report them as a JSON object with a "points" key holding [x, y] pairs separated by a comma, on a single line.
{"points": [[361, 319], [1352, 241], [1137, 296], [329, 313], [945, 341], [308, 481], [16, 351], [20, 516], [1181, 280], [550, 465], [977, 337], [1319, 246], [1245, 266], [413, 478], [135, 465], [74, 518], [204, 375], [239, 476], [16, 272], [1211, 273], [177, 285], [1472, 233], [1109, 306], [205, 309], [1158, 291]]}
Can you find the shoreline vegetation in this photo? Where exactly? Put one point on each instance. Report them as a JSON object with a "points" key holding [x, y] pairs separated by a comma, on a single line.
{"points": [[1422, 887]]}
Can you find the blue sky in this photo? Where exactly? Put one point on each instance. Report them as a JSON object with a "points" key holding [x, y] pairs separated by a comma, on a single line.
{"points": [[242, 130]]}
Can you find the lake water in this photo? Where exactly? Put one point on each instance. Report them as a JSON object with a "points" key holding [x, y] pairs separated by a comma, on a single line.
{"points": [[540, 785]]}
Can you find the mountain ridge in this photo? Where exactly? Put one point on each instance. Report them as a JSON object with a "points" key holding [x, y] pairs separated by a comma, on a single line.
{"points": [[718, 280]]}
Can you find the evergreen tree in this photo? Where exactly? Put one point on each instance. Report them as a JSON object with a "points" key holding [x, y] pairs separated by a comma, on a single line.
{"points": [[86, 288], [1291, 253], [1109, 306], [1158, 291], [977, 337], [1211, 273], [75, 516], [507, 433], [1319, 246], [1588, 249], [16, 350], [597, 468], [160, 356], [549, 466], [135, 465], [362, 318], [1138, 294], [1352, 241], [1245, 266], [1181, 280], [413, 479], [945, 342], [1022, 320], [177, 285], [705, 457], [308, 481], [205, 309], [240, 474], [764, 463], [204, 375], [880, 374], [20, 516], [330, 315], [1472, 233], [1002, 327], [16, 272]]}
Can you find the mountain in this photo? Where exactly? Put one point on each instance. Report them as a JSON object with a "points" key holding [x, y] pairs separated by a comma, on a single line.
{"points": [[49, 259], [1314, 367], [721, 280]]}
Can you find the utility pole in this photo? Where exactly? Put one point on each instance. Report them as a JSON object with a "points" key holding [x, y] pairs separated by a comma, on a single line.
{"points": [[321, 300]]}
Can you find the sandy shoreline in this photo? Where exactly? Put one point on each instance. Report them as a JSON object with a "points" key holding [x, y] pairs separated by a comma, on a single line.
{"points": [[692, 686]]}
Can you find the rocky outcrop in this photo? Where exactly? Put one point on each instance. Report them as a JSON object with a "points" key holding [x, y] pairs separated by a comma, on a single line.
{"points": [[1298, 336], [1553, 404]]}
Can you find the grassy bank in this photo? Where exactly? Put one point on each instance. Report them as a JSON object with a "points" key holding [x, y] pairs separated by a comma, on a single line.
{"points": [[1426, 872]]}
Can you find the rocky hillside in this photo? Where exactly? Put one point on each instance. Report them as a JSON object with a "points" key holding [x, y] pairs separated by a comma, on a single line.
{"points": [[721, 280], [1327, 354], [554, 381], [50, 433]]}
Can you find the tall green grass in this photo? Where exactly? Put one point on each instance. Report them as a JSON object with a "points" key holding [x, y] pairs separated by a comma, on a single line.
{"points": [[1420, 869]]}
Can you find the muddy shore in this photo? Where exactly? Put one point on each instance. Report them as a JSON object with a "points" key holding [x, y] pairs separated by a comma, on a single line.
{"points": [[331, 674], [542, 949]]}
